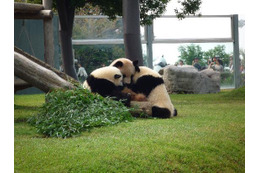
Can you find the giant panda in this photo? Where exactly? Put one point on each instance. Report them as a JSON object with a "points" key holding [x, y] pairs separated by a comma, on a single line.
{"points": [[127, 68], [151, 84], [107, 81]]}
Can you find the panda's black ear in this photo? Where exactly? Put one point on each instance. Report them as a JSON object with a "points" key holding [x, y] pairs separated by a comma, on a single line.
{"points": [[135, 62], [137, 69], [118, 64], [117, 76], [90, 79]]}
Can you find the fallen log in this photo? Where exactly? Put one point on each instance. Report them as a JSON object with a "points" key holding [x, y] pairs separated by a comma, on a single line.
{"points": [[39, 76], [41, 63], [20, 84]]}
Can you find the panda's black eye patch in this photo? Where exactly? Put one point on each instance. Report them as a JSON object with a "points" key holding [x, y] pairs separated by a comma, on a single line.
{"points": [[132, 76], [117, 76]]}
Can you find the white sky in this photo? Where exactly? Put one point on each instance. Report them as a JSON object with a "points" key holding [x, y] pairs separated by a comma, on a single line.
{"points": [[198, 28]]}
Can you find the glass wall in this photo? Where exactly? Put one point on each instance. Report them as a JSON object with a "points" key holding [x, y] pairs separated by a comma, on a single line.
{"points": [[93, 55]]}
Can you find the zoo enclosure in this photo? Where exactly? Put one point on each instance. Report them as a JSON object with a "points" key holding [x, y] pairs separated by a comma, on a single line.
{"points": [[149, 39]]}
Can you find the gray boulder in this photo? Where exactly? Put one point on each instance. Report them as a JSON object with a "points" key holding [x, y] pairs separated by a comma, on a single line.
{"points": [[188, 79]]}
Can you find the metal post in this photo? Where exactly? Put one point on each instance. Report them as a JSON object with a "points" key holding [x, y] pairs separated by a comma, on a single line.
{"points": [[236, 59], [149, 44]]}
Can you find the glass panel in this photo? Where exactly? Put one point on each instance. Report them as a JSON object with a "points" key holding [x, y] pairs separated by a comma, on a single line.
{"points": [[192, 28], [92, 57], [145, 57], [101, 28]]}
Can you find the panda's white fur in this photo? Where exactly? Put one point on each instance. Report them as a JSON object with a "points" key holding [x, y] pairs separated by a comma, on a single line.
{"points": [[107, 73], [158, 96], [126, 67]]}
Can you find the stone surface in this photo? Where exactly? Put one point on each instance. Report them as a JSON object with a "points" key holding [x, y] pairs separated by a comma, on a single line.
{"points": [[188, 79]]}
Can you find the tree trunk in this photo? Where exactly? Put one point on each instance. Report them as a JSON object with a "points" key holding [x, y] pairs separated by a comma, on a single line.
{"points": [[132, 39], [37, 75], [66, 16]]}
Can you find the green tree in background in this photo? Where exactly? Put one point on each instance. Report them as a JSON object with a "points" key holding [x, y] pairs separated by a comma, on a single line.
{"points": [[97, 29], [92, 57], [188, 53]]}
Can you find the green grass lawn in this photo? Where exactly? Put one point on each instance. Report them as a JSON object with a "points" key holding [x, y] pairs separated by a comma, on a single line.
{"points": [[208, 135]]}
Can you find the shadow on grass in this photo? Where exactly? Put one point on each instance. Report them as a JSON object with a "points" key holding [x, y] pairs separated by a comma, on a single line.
{"points": [[22, 113], [25, 107], [20, 120]]}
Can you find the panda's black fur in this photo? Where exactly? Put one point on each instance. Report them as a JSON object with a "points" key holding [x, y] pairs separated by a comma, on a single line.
{"points": [[146, 84], [160, 112], [106, 88], [102, 86]]}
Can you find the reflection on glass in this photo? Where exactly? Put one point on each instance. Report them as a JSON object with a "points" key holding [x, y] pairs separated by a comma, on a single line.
{"points": [[99, 28], [92, 57]]}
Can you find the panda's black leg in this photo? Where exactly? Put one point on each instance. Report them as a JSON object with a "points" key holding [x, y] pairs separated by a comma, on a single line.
{"points": [[175, 113], [160, 112]]}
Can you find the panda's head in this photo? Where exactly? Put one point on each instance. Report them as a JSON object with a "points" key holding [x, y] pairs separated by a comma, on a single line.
{"points": [[127, 68], [111, 74]]}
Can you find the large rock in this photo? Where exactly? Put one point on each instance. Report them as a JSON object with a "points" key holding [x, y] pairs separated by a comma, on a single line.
{"points": [[188, 79]]}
